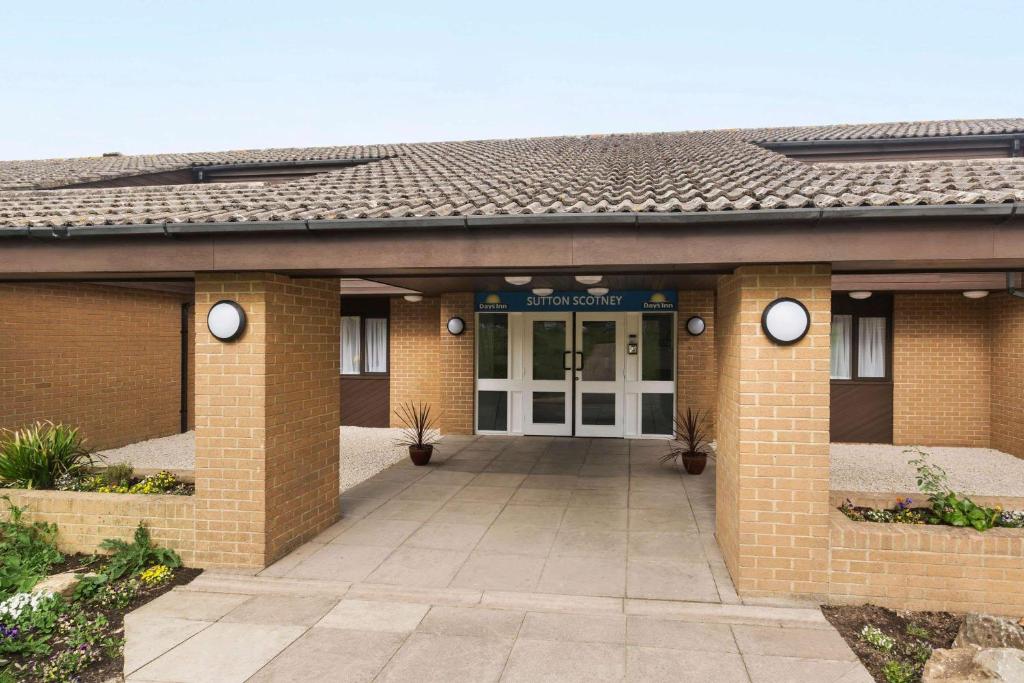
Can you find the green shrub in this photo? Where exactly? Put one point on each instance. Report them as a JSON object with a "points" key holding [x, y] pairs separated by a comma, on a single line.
{"points": [[36, 456], [948, 507], [118, 474], [128, 559], [896, 671], [27, 551]]}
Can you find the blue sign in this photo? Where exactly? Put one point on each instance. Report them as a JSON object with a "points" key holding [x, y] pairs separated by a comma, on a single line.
{"points": [[625, 300]]}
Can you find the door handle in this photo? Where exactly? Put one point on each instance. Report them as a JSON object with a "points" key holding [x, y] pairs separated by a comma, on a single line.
{"points": [[565, 361], [580, 368]]}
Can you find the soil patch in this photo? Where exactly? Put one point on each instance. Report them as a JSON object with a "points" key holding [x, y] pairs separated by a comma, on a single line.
{"points": [[911, 631]]}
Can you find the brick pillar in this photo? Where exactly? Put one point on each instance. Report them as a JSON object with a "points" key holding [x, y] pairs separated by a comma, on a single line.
{"points": [[457, 371], [697, 375], [415, 354], [773, 423], [266, 419]]}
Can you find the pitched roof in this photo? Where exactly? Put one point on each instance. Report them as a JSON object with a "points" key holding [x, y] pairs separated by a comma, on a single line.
{"points": [[697, 171]]}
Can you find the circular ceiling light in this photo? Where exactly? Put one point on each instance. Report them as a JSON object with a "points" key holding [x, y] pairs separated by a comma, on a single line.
{"points": [[696, 326], [413, 298], [597, 291], [860, 296], [976, 293], [588, 279], [785, 321], [543, 291], [456, 326], [226, 320], [518, 280]]}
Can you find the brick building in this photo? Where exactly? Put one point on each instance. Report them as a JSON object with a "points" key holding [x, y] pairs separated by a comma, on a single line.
{"points": [[801, 286]]}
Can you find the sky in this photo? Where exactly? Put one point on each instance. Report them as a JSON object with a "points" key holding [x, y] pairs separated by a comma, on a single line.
{"points": [[82, 78]]}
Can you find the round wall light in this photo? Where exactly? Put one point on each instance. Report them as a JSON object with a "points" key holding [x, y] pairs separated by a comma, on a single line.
{"points": [[543, 291], [860, 296], [976, 293], [518, 280], [456, 325], [696, 326], [226, 320], [413, 298], [785, 321], [597, 291], [588, 279]]}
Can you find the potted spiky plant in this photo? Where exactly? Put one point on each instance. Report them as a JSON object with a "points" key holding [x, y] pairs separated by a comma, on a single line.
{"points": [[690, 441], [419, 431]]}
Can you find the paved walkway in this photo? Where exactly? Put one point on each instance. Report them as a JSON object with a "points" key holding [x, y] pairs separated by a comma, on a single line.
{"points": [[513, 559]]}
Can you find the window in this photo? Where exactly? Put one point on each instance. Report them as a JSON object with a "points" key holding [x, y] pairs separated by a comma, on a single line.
{"points": [[657, 360], [364, 345], [871, 347], [842, 343], [492, 346]]}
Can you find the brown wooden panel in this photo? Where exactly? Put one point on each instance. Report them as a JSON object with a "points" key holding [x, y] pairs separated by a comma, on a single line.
{"points": [[365, 401], [861, 412]]}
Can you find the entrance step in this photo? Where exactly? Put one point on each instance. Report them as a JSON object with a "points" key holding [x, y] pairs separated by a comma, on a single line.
{"points": [[704, 612]]}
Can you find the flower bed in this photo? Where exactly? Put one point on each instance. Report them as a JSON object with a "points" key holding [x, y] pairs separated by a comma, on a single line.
{"points": [[71, 630]]}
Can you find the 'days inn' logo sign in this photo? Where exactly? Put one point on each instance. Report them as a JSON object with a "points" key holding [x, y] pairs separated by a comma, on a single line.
{"points": [[627, 300]]}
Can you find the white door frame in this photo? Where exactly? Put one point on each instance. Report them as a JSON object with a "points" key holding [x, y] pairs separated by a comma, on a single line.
{"points": [[531, 385], [615, 386]]}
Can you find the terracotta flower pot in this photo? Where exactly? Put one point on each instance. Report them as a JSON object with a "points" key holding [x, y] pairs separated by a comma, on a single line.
{"points": [[694, 463], [420, 455]]}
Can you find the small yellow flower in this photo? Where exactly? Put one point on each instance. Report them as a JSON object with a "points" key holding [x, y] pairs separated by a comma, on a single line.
{"points": [[156, 575]]}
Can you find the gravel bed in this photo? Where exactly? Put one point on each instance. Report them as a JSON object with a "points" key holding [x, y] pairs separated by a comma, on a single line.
{"points": [[882, 467], [364, 453]]}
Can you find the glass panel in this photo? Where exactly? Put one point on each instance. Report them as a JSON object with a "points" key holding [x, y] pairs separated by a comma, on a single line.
{"points": [[871, 347], [549, 349], [492, 345], [657, 348], [597, 409], [492, 411], [842, 329], [656, 413], [350, 345], [549, 407], [598, 352], [376, 345]]}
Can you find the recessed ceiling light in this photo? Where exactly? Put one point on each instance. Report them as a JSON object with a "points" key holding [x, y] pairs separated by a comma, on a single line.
{"points": [[597, 291], [413, 298], [588, 279], [518, 280], [543, 291], [860, 296], [976, 293]]}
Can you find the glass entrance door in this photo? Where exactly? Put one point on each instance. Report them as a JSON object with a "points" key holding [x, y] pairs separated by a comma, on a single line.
{"points": [[600, 374], [548, 374]]}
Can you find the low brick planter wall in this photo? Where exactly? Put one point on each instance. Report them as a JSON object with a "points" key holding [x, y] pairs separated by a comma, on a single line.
{"points": [[923, 567], [85, 519]]}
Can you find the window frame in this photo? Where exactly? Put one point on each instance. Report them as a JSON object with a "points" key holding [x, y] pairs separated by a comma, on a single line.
{"points": [[363, 372], [878, 306]]}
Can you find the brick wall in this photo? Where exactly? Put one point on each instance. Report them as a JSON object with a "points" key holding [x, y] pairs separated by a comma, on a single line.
{"points": [[266, 419], [773, 458], [1007, 344], [104, 359], [696, 380], [457, 369], [942, 369], [86, 519], [906, 566], [415, 353]]}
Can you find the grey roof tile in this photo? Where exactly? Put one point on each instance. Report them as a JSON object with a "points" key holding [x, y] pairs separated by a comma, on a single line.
{"points": [[722, 170]]}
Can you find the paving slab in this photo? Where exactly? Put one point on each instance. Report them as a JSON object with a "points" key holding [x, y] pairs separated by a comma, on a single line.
{"points": [[549, 660], [792, 642], [576, 628], [765, 669], [329, 654], [479, 622], [367, 615], [651, 664], [428, 657], [148, 637], [297, 610]]}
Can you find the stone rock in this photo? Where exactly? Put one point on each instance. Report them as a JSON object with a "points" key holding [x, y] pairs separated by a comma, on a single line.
{"points": [[984, 630], [61, 584], [973, 663]]}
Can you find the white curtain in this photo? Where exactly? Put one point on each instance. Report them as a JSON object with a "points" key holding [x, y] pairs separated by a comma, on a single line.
{"points": [[349, 345], [376, 345], [871, 350], [842, 327]]}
